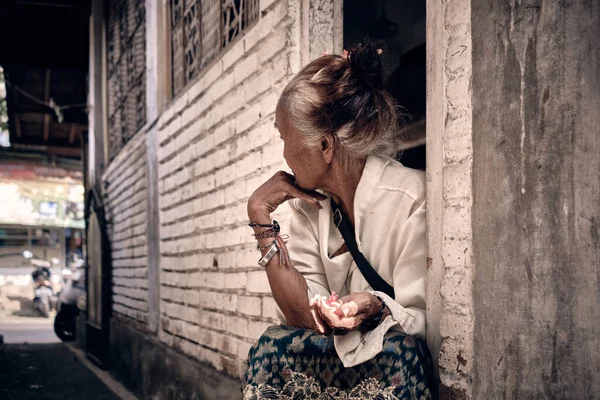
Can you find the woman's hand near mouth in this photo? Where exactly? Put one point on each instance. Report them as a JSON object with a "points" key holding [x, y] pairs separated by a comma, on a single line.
{"points": [[278, 189], [287, 284]]}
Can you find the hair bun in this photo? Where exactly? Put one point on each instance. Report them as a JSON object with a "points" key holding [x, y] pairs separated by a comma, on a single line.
{"points": [[366, 64]]}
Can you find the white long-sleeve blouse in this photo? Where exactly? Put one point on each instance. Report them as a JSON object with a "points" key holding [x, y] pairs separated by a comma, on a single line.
{"points": [[389, 210]]}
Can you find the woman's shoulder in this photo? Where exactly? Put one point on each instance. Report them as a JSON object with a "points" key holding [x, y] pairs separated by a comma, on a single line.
{"points": [[398, 178]]}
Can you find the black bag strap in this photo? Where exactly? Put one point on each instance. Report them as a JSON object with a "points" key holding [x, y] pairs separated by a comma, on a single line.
{"points": [[372, 277]]}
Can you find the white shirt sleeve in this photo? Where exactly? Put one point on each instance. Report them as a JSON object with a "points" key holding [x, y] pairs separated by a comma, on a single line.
{"points": [[303, 248]]}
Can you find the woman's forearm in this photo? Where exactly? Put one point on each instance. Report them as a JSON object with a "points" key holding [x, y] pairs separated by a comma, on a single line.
{"points": [[290, 292], [287, 284]]}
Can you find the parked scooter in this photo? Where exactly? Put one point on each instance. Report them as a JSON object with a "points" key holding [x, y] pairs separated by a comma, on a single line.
{"points": [[44, 298], [65, 322]]}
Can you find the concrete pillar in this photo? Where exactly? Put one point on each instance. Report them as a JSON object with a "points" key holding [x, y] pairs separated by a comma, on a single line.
{"points": [[155, 38], [536, 199], [513, 140], [318, 30], [97, 77], [325, 27]]}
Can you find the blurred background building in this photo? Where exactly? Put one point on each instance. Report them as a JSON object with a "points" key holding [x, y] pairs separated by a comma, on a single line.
{"points": [[43, 113]]}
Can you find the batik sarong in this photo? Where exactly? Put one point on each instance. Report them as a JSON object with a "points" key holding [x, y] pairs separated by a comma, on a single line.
{"points": [[290, 363]]}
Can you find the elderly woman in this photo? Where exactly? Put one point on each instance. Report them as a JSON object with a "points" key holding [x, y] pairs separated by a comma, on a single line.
{"points": [[349, 277]]}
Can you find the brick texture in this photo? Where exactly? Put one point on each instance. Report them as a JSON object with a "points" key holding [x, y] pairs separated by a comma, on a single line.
{"points": [[126, 204], [217, 144]]}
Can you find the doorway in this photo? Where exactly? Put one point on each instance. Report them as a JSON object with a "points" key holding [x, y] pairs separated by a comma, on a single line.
{"points": [[400, 26], [98, 281]]}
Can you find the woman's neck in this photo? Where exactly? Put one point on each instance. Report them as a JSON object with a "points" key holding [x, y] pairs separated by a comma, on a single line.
{"points": [[343, 183]]}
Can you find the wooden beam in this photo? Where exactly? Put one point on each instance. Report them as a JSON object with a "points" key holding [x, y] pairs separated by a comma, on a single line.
{"points": [[46, 127], [18, 125], [32, 110], [52, 3], [59, 150], [47, 99], [74, 129], [31, 117]]}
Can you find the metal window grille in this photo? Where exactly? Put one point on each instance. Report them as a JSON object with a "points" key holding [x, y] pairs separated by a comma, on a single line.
{"points": [[200, 30], [126, 64]]}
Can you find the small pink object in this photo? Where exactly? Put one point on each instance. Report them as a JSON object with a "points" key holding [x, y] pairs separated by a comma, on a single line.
{"points": [[334, 297], [333, 303]]}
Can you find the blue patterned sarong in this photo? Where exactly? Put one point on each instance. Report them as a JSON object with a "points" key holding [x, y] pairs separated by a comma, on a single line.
{"points": [[290, 363]]}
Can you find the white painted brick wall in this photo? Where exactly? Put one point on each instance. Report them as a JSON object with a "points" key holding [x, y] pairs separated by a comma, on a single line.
{"points": [[217, 144], [125, 205]]}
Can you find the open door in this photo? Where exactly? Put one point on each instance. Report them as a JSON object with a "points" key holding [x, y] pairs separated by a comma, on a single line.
{"points": [[98, 281]]}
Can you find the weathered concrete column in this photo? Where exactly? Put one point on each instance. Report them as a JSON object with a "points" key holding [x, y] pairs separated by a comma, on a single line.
{"points": [[325, 27], [318, 29], [513, 135], [536, 199], [154, 50], [97, 76]]}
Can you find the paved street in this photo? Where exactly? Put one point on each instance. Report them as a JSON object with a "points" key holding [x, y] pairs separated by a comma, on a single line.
{"points": [[27, 330], [47, 371], [20, 322], [35, 364]]}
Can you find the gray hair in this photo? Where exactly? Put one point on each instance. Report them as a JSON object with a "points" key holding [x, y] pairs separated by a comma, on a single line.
{"points": [[344, 98]]}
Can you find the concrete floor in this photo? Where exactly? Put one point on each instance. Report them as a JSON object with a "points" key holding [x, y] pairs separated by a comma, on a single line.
{"points": [[35, 364], [27, 330], [20, 322], [47, 371]]}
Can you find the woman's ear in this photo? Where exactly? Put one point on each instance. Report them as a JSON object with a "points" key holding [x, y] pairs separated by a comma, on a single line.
{"points": [[327, 146]]}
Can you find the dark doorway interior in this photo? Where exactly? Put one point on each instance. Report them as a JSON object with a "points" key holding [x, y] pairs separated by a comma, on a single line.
{"points": [[400, 26]]}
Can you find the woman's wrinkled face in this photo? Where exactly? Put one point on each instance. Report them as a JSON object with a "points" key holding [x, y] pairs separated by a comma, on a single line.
{"points": [[307, 164]]}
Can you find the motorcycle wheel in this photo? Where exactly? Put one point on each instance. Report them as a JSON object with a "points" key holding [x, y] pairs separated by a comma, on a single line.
{"points": [[45, 306], [64, 326]]}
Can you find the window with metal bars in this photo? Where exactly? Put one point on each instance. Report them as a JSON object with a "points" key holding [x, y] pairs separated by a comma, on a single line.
{"points": [[200, 30], [126, 65]]}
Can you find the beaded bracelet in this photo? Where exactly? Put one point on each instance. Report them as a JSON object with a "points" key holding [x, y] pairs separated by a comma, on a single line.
{"points": [[259, 247], [274, 226], [269, 233]]}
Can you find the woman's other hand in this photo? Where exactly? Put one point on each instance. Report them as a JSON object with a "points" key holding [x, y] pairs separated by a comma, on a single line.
{"points": [[319, 325], [355, 308], [277, 190]]}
